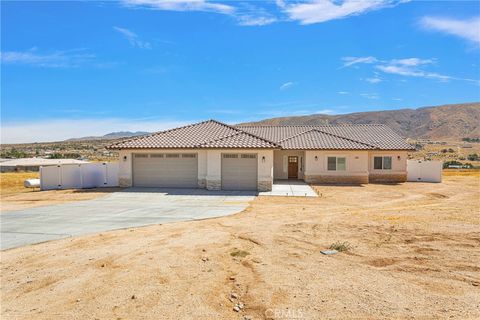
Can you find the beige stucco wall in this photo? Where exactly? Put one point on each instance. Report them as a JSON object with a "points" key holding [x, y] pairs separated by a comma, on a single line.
{"points": [[398, 173], [280, 170], [356, 162], [209, 165]]}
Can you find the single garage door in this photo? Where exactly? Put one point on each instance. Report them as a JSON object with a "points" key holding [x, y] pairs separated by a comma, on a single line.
{"points": [[176, 170], [239, 171]]}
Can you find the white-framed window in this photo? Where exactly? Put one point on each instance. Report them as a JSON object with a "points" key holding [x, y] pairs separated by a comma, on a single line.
{"points": [[141, 155], [230, 156], [336, 163], [382, 163]]}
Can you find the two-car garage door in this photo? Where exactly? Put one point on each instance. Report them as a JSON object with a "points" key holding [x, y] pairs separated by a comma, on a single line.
{"points": [[180, 170], [176, 170]]}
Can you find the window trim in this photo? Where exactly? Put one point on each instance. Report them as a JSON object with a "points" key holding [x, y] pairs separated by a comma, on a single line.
{"points": [[336, 163], [383, 162]]}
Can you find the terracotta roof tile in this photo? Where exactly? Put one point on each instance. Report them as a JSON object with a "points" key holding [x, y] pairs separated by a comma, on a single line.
{"points": [[214, 134]]}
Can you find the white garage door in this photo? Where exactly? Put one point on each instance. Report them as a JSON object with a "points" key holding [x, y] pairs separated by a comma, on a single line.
{"points": [[177, 170], [239, 171]]}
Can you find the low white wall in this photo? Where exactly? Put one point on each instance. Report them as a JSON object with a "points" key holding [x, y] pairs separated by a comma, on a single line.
{"points": [[424, 171], [79, 176]]}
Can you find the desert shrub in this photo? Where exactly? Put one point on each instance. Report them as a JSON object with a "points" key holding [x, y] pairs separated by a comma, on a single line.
{"points": [[341, 246], [239, 253]]}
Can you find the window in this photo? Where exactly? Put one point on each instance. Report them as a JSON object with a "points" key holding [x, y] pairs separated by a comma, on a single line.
{"points": [[336, 163], [156, 155], [172, 155], [382, 163], [138, 155], [248, 156], [230, 156], [189, 155]]}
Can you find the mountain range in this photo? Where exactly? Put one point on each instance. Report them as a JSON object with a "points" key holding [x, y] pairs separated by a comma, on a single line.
{"points": [[446, 122]]}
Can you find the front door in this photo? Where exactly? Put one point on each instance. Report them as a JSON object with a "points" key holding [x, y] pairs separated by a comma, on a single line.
{"points": [[292, 167]]}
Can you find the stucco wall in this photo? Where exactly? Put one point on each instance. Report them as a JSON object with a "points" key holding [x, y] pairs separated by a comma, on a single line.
{"points": [[280, 168], [209, 165], [398, 173], [356, 162]]}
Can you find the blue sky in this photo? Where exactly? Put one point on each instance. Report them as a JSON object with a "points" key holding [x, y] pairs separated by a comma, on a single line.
{"points": [[72, 69]]}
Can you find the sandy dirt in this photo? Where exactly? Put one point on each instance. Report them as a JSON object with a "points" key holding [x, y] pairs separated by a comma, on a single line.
{"points": [[415, 254], [14, 196]]}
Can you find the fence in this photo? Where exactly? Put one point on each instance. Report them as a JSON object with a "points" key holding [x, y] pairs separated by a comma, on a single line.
{"points": [[424, 171], [79, 176]]}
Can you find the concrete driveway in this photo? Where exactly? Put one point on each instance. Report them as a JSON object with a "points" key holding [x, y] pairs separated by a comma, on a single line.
{"points": [[132, 207]]}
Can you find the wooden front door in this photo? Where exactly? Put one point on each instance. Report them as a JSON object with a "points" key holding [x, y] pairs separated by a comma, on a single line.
{"points": [[292, 167]]}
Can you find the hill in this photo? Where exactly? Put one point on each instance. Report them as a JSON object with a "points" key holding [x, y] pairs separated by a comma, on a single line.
{"points": [[448, 122], [111, 136]]}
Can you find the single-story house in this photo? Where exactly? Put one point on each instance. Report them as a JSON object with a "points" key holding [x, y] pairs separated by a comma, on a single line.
{"points": [[215, 156]]}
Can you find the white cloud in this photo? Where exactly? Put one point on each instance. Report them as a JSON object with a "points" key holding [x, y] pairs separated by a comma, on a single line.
{"points": [[61, 129], [408, 67], [56, 59], [251, 20], [412, 72], [397, 99], [372, 96], [350, 61], [412, 62], [287, 85], [318, 11], [343, 92], [133, 38], [467, 29], [182, 5], [325, 111], [373, 80]]}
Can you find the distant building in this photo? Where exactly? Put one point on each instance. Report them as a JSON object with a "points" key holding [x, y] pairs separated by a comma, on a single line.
{"points": [[33, 164]]}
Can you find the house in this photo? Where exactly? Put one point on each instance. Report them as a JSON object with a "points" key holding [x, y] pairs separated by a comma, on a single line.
{"points": [[216, 156]]}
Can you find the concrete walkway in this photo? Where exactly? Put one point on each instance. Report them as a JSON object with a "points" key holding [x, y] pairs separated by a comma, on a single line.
{"points": [[132, 207], [290, 188]]}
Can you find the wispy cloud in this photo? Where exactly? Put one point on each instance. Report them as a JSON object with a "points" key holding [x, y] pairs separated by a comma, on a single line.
{"points": [[61, 129], [408, 67], [56, 59], [287, 85], [372, 96], [468, 29], [318, 11], [343, 92], [182, 5], [350, 61], [133, 38], [251, 20], [373, 80]]}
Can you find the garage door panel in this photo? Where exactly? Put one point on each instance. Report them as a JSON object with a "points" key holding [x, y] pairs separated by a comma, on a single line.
{"points": [[163, 171], [239, 172]]}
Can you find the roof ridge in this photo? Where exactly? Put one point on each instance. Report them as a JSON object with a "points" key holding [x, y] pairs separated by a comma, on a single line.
{"points": [[247, 133], [345, 138], [157, 132], [313, 125], [330, 134]]}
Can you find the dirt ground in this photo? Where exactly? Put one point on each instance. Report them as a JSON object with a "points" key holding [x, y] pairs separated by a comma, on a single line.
{"points": [[415, 254], [14, 196]]}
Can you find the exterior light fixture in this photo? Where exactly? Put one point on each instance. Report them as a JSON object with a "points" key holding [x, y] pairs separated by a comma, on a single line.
{"points": [[316, 158], [263, 159], [124, 158], [398, 157]]}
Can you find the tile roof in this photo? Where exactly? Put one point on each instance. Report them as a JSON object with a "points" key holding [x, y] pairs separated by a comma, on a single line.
{"points": [[378, 136], [315, 139], [206, 134], [214, 134]]}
